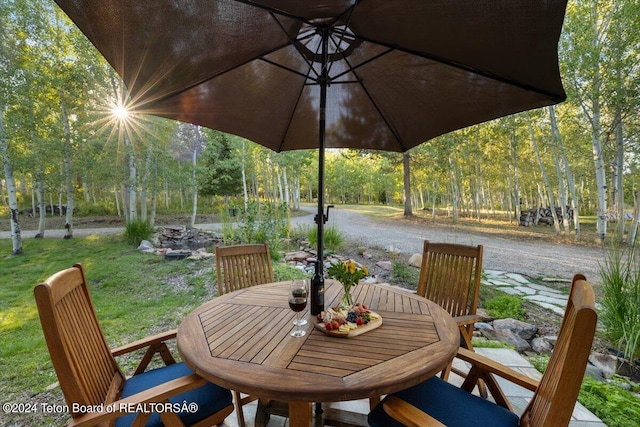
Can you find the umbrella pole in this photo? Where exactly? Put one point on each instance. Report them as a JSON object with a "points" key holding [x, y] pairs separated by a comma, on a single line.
{"points": [[320, 217]]}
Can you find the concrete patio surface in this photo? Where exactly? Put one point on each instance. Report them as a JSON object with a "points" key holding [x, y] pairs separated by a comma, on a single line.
{"points": [[518, 396]]}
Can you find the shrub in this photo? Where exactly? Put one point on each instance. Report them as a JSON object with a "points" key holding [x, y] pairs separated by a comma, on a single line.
{"points": [[333, 239], [505, 306], [137, 230], [613, 405], [620, 312], [264, 223]]}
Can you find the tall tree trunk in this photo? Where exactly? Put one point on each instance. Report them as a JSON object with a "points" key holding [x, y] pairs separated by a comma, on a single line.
{"points": [[42, 214], [145, 184], [154, 193], [633, 233], [115, 195], [516, 171], [67, 169], [545, 178], [16, 237], [406, 167], [132, 182], [562, 188], [197, 143], [619, 169], [244, 179]]}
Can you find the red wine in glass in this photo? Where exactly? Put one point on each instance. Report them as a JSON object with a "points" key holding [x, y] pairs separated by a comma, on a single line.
{"points": [[297, 302]]}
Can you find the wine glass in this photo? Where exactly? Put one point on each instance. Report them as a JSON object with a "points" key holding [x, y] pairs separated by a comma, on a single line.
{"points": [[298, 292], [297, 321]]}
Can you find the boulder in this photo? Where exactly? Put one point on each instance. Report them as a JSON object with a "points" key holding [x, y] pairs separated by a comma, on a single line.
{"points": [[509, 337], [541, 345], [416, 260], [524, 330], [605, 363], [145, 245]]}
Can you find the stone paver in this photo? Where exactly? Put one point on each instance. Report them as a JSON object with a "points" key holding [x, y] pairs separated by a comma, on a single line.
{"points": [[517, 284]]}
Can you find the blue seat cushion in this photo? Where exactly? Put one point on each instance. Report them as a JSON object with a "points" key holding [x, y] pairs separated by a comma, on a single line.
{"points": [[448, 404], [209, 398]]}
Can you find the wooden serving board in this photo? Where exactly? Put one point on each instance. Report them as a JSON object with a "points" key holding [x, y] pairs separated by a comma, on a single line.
{"points": [[373, 324]]}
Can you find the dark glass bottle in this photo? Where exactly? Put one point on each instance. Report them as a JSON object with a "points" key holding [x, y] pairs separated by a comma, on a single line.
{"points": [[317, 292]]}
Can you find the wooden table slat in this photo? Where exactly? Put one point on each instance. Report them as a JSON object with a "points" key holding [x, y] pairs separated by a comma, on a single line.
{"points": [[241, 341]]}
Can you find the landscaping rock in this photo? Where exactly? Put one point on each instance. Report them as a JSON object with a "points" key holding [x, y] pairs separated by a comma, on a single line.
{"points": [[509, 337], [145, 245], [541, 345], [415, 260], [606, 363], [385, 265], [524, 330]]}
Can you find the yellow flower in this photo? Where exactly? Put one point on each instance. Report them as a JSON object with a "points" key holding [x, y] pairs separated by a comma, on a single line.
{"points": [[350, 267], [365, 271]]}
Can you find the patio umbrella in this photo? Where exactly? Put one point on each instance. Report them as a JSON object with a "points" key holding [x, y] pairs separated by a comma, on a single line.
{"points": [[295, 74]]}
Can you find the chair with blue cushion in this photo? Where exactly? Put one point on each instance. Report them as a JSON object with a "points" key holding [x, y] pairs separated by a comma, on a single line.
{"points": [[94, 387], [438, 403]]}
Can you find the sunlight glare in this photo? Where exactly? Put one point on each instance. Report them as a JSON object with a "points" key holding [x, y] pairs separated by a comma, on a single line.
{"points": [[121, 112]]}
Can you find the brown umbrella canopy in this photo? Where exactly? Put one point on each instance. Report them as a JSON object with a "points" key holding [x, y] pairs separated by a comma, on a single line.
{"points": [[293, 74], [396, 73]]}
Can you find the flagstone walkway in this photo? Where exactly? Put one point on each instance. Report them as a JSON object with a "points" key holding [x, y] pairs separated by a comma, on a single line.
{"points": [[517, 284]]}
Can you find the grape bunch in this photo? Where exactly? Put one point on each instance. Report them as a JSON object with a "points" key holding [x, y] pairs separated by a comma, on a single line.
{"points": [[352, 316]]}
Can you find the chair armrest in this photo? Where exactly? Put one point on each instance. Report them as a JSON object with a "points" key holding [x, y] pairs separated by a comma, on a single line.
{"points": [[145, 342], [157, 394], [468, 319], [407, 414], [485, 364]]}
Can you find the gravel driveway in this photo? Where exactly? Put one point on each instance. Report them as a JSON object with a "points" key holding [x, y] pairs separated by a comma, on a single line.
{"points": [[534, 259]]}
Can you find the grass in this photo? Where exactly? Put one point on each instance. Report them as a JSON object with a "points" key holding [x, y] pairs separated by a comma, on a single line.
{"points": [[135, 295], [115, 273]]}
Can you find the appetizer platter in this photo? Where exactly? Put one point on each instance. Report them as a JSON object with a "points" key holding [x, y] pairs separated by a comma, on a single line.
{"points": [[347, 321]]}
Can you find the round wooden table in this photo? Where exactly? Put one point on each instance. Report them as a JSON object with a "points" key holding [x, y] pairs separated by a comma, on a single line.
{"points": [[241, 341]]}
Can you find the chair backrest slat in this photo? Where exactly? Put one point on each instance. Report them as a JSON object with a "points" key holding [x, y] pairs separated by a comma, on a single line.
{"points": [[79, 351], [242, 266], [553, 402], [450, 276]]}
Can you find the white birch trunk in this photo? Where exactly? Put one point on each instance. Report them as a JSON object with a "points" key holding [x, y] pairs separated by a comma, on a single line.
{"points": [[545, 179], [619, 169], [42, 214], [67, 171], [16, 237], [244, 180], [562, 188], [197, 143], [115, 195], [145, 185], [132, 184], [406, 167]]}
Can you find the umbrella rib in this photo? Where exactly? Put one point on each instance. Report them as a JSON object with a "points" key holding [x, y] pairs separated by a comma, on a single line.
{"points": [[294, 43], [467, 68], [384, 118]]}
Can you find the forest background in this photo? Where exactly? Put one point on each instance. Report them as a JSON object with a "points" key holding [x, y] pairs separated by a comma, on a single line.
{"points": [[68, 146]]}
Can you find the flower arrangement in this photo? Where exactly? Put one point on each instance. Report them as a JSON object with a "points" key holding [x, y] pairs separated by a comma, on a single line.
{"points": [[349, 274]]}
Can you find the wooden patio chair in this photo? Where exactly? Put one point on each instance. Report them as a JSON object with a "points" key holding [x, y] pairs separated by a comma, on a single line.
{"points": [[450, 277], [90, 378], [241, 266], [238, 267], [437, 403]]}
